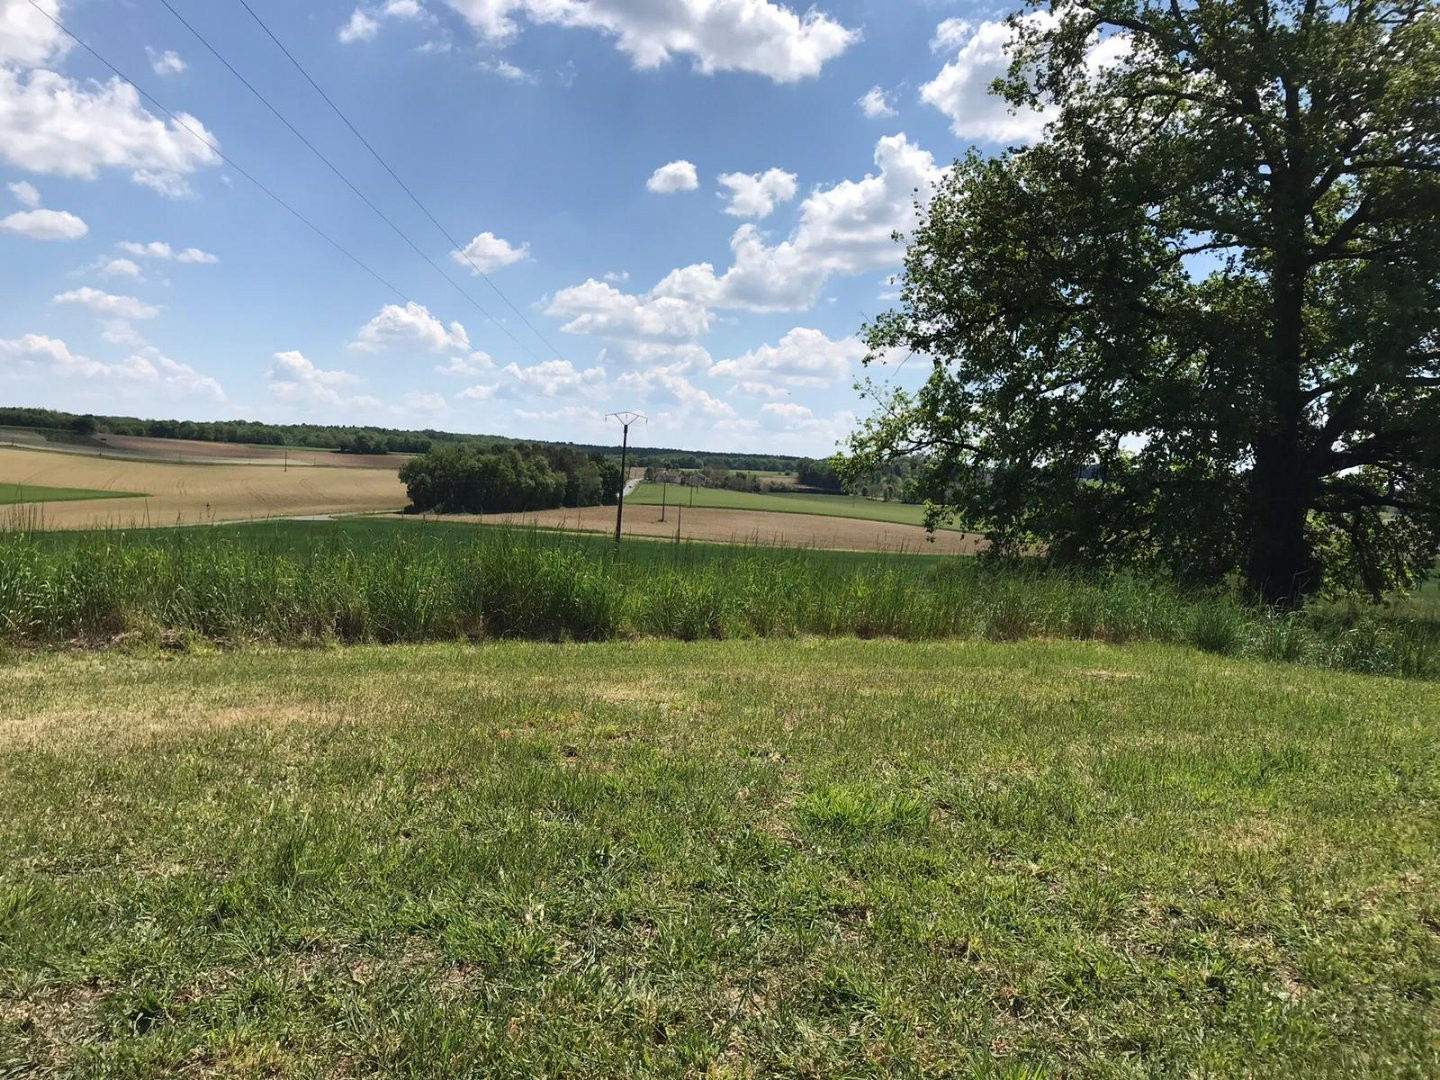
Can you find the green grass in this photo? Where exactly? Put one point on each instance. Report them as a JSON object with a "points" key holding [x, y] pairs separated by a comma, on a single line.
{"points": [[782, 503], [10, 494], [395, 581], [1425, 601], [793, 859], [376, 531]]}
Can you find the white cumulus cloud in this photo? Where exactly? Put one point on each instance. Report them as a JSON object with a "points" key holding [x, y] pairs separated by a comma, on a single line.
{"points": [[121, 332], [163, 252], [295, 380], [548, 379], [150, 367], [103, 303], [360, 27], [755, 194], [63, 127], [961, 90], [166, 63], [488, 252], [27, 36], [364, 23], [802, 358], [25, 193], [683, 405], [34, 349], [506, 70], [951, 34], [45, 225], [468, 367], [846, 229], [601, 309], [675, 177], [120, 268], [757, 36], [875, 104], [411, 325], [147, 370]]}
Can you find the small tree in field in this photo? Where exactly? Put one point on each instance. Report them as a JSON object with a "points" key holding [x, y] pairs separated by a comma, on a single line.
{"points": [[1198, 324]]}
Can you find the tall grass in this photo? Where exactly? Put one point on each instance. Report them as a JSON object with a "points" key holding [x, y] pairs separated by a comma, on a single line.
{"points": [[240, 586]]}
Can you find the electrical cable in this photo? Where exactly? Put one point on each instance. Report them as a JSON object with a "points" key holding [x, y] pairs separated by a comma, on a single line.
{"points": [[454, 243], [346, 180], [210, 144]]}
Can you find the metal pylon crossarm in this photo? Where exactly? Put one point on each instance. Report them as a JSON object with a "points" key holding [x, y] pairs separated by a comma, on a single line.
{"points": [[626, 419]]}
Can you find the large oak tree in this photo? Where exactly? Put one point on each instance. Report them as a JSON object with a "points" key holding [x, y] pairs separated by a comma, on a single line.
{"points": [[1198, 324]]}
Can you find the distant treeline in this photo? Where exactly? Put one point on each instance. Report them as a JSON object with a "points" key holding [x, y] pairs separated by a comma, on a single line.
{"points": [[364, 439], [470, 479]]}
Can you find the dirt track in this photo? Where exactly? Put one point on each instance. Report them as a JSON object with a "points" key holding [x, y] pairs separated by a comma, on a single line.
{"points": [[194, 493], [751, 527]]}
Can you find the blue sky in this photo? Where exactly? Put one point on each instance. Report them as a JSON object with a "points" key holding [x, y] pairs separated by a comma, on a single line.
{"points": [[690, 201]]}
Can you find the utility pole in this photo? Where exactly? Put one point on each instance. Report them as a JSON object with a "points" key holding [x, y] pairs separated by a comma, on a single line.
{"points": [[626, 419], [664, 487]]}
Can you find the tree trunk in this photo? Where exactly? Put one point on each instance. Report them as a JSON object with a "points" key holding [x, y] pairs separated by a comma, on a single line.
{"points": [[1281, 568]]}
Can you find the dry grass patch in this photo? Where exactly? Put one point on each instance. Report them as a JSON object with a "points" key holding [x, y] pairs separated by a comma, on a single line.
{"points": [[192, 494], [187, 451]]}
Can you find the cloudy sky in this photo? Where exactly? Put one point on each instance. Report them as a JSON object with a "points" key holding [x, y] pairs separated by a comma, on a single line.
{"points": [[678, 206]]}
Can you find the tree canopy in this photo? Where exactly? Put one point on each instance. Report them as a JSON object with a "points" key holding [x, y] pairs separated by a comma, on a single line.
{"points": [[1198, 324], [349, 437], [467, 478]]}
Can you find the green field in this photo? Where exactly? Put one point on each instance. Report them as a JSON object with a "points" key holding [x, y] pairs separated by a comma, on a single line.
{"points": [[377, 531], [783, 503], [731, 859], [10, 494]]}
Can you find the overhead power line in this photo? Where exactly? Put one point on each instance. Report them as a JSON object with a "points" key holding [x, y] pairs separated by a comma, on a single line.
{"points": [[348, 182], [458, 247], [180, 123]]}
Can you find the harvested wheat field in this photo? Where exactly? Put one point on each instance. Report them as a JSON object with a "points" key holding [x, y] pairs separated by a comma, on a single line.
{"points": [[751, 527], [191, 493], [194, 452]]}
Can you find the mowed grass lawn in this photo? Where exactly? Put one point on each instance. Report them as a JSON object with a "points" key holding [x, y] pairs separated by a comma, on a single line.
{"points": [[10, 494], [783, 503], [796, 858]]}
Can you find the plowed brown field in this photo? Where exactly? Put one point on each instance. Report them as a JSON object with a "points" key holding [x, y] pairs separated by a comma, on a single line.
{"points": [[190, 494]]}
